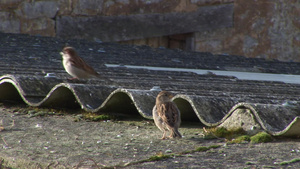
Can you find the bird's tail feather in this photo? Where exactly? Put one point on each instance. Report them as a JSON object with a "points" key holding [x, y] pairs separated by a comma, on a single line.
{"points": [[175, 133]]}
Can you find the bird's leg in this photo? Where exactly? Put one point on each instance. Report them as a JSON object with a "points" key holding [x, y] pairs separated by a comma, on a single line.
{"points": [[164, 135], [172, 135]]}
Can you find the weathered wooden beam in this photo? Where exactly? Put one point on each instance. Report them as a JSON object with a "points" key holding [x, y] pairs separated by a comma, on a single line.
{"points": [[120, 28]]}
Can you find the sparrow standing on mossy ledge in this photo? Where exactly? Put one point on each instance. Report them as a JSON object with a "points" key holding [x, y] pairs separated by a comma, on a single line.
{"points": [[166, 115]]}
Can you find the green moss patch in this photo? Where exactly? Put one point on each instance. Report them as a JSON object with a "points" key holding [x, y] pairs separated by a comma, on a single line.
{"points": [[241, 139], [159, 156], [238, 135], [40, 112], [290, 162], [261, 137], [96, 117], [221, 132], [202, 148]]}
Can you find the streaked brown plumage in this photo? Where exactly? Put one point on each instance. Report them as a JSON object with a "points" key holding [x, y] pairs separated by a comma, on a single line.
{"points": [[166, 115], [76, 66]]}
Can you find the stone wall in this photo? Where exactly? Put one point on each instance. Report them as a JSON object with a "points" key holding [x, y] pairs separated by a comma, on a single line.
{"points": [[265, 28]]}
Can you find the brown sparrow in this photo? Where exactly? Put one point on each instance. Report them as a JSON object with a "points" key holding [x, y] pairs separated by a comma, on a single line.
{"points": [[166, 115], [76, 66]]}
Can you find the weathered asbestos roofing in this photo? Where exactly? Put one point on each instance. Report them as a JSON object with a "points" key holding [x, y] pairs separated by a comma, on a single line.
{"points": [[31, 70]]}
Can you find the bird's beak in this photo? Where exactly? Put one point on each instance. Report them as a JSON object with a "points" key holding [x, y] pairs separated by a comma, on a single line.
{"points": [[61, 53], [171, 96]]}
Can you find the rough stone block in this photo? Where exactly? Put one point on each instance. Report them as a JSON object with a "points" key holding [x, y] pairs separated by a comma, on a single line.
{"points": [[120, 28], [65, 7], [210, 2], [40, 26], [5, 4], [87, 7], [38, 9], [9, 23], [150, 2]]}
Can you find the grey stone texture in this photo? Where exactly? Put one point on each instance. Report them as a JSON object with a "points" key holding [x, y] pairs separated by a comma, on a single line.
{"points": [[260, 29]]}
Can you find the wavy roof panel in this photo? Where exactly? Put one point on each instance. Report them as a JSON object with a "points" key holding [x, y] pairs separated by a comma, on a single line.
{"points": [[31, 71]]}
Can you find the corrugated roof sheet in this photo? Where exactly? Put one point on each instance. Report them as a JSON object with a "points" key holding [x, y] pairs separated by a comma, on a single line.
{"points": [[26, 62]]}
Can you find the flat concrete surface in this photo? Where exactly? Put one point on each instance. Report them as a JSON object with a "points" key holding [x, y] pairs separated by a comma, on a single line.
{"points": [[59, 139]]}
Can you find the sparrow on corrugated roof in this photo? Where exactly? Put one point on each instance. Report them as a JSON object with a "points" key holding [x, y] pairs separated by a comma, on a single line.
{"points": [[76, 66]]}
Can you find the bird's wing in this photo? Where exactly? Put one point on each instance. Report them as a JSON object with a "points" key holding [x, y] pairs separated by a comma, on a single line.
{"points": [[169, 113], [81, 64]]}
